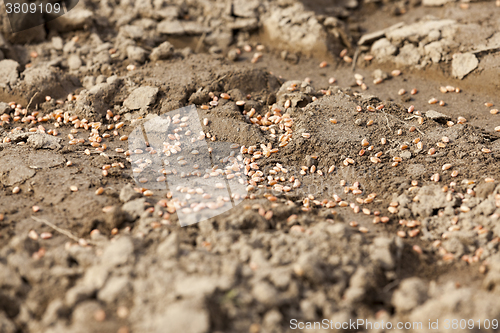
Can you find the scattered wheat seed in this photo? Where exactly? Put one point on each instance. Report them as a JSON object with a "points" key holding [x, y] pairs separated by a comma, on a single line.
{"points": [[494, 111], [488, 105], [446, 166], [401, 92], [413, 233], [464, 209], [16, 190], [392, 210], [73, 188], [486, 150], [46, 235], [347, 59], [384, 219], [33, 235], [323, 64], [435, 177], [396, 72]]}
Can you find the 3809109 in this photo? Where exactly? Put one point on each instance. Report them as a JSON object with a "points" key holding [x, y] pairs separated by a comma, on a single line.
{"points": [[32, 8]]}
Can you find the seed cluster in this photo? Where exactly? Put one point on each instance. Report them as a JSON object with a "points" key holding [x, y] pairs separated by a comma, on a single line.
{"points": [[171, 152]]}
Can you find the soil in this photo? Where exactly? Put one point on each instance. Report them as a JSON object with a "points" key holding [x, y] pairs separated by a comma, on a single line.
{"points": [[133, 199]]}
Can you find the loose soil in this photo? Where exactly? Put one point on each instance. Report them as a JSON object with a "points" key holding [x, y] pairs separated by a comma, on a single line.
{"points": [[402, 228]]}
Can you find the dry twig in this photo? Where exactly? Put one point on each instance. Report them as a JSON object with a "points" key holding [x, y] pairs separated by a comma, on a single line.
{"points": [[60, 230]]}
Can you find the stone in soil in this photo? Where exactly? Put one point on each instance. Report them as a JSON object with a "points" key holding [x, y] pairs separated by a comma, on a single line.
{"points": [[141, 98], [4, 108], [9, 73], [94, 102], [437, 116], [42, 140], [164, 51], [462, 64], [75, 19]]}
